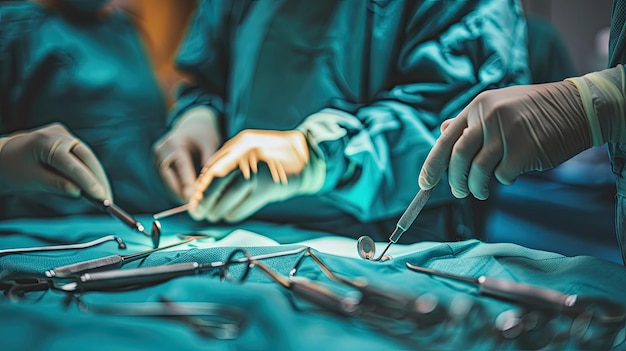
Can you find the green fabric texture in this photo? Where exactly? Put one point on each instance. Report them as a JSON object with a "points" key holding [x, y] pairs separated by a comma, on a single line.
{"points": [[93, 76], [390, 71], [276, 319]]}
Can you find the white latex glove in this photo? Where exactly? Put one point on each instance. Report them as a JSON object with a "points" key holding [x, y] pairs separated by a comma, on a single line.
{"points": [[50, 159], [509, 131], [253, 169], [181, 152]]}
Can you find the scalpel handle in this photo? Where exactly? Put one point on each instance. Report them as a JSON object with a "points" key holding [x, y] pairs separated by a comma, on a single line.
{"points": [[113, 261], [526, 294], [410, 214], [133, 277]]}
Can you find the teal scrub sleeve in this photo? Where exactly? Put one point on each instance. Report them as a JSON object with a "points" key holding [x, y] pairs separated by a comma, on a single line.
{"points": [[15, 24], [374, 153], [203, 55]]}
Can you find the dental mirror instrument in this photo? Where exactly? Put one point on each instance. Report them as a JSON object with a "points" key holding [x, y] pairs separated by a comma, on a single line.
{"points": [[366, 246], [109, 207]]}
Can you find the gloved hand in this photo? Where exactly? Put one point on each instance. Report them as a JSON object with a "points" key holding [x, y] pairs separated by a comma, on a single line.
{"points": [[50, 159], [180, 153], [233, 185], [513, 130]]}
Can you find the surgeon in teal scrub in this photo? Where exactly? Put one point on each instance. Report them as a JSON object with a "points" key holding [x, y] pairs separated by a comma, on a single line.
{"points": [[79, 110], [321, 113]]}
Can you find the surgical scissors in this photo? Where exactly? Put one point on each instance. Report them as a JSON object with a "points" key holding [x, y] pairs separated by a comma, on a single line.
{"points": [[112, 261], [109, 207], [366, 246], [95, 242], [137, 277]]}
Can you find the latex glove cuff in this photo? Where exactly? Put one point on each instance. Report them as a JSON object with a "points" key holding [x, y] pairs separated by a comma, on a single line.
{"points": [[602, 95]]}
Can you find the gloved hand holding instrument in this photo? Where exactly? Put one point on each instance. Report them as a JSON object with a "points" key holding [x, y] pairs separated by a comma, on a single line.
{"points": [[50, 159], [180, 153], [510, 131], [251, 170]]}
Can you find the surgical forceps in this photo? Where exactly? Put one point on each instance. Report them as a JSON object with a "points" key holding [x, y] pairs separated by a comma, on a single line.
{"points": [[109, 207], [113, 261], [95, 242], [365, 244], [522, 293], [136, 277]]}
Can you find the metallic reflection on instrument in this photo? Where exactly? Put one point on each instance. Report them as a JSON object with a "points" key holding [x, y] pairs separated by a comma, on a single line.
{"points": [[365, 244]]}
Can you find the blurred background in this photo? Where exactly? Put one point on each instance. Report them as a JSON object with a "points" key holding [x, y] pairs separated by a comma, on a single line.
{"points": [[569, 209], [581, 23]]}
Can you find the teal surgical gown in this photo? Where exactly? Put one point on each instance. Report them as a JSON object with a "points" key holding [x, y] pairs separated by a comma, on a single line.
{"points": [[389, 71], [617, 151], [93, 76]]}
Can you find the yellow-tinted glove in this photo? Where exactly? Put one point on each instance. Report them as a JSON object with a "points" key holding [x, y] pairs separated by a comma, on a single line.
{"points": [[50, 159], [255, 168], [181, 152], [513, 130]]}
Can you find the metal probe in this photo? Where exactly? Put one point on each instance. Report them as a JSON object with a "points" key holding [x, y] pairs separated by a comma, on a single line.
{"points": [[365, 244], [109, 207], [171, 211], [510, 291]]}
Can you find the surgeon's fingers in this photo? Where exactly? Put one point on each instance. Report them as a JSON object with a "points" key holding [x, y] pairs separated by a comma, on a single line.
{"points": [[438, 158], [464, 151], [59, 156], [171, 181], [248, 204], [254, 161], [282, 174], [278, 174], [220, 155], [178, 172], [245, 208], [84, 153], [222, 164], [506, 173], [482, 170], [51, 181], [484, 163], [244, 167], [202, 203], [444, 125], [233, 195]]}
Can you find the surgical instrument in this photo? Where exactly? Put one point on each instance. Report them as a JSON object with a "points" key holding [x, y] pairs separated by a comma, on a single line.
{"points": [[219, 321], [109, 207], [366, 246], [171, 211], [128, 278], [112, 261], [522, 293], [95, 242]]}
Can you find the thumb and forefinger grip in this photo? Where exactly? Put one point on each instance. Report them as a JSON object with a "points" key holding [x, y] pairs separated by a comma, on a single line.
{"points": [[438, 158]]}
